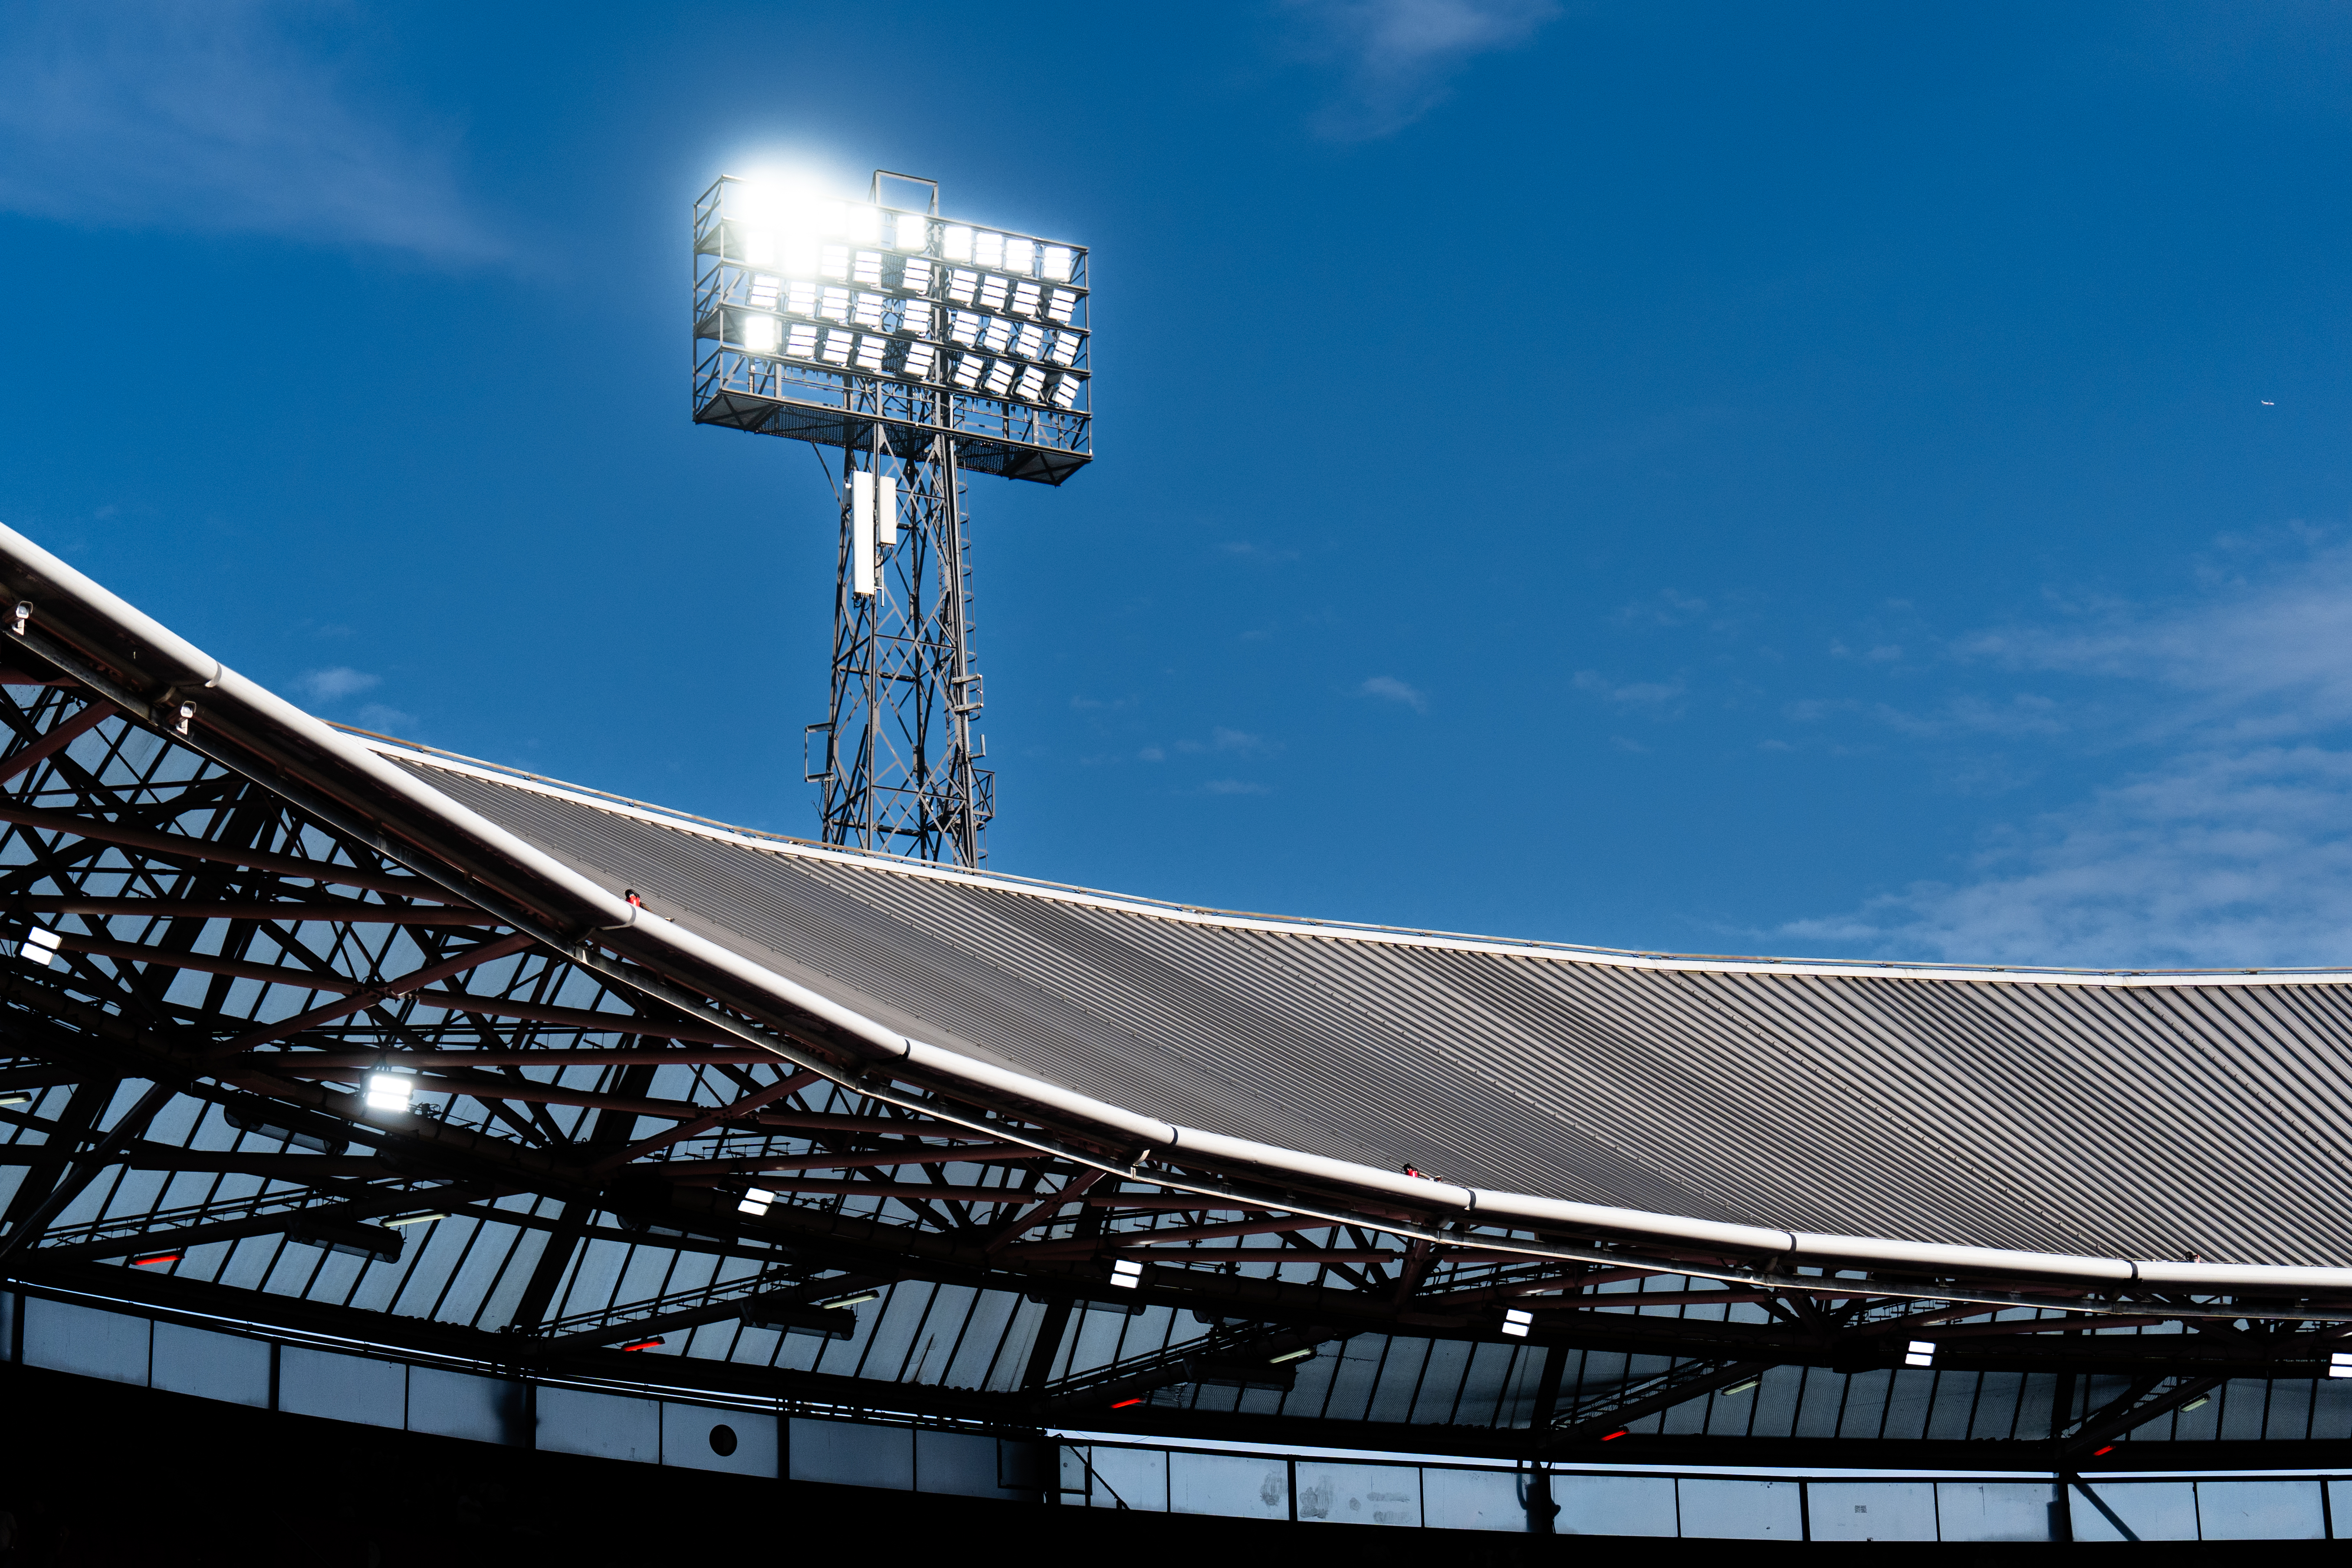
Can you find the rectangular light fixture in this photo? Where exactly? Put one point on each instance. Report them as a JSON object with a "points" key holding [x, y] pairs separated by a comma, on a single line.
{"points": [[921, 359], [861, 533], [759, 333], [955, 242], [1031, 388], [886, 508], [916, 277], [14, 1098], [41, 945], [402, 1221], [800, 298], [867, 268], [2340, 1364], [390, 1091], [803, 341], [1516, 1324], [1740, 1388], [988, 248], [1066, 392], [1922, 1352], [755, 1202], [1019, 255], [654, 1344], [157, 1259], [869, 353], [1126, 1273], [832, 261], [1056, 263], [765, 290], [1025, 299], [1291, 1355], [842, 1303], [913, 232], [963, 285]]}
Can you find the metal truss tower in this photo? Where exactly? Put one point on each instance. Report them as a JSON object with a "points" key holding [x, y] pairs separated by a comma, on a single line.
{"points": [[924, 349]]}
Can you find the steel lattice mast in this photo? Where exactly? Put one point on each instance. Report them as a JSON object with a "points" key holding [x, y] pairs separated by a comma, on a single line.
{"points": [[924, 349]]}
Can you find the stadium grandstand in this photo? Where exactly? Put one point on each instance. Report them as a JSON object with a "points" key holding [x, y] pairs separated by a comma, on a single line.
{"points": [[348, 1080]]}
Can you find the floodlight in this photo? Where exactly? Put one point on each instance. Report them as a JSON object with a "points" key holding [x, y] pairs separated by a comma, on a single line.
{"points": [[863, 312], [41, 945], [755, 1202], [1126, 1273], [390, 1091], [2340, 1364], [1922, 1352], [1516, 1324]]}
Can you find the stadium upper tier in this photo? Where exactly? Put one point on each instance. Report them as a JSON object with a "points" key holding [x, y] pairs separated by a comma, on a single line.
{"points": [[2175, 1129]]}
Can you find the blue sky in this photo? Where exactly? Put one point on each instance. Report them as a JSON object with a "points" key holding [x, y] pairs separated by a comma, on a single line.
{"points": [[1822, 479]]}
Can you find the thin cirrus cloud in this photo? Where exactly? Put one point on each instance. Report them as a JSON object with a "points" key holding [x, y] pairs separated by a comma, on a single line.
{"points": [[1390, 688], [334, 684], [1398, 58], [2227, 844], [224, 117]]}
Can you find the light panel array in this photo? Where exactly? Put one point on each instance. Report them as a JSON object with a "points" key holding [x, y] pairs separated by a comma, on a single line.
{"points": [[864, 310]]}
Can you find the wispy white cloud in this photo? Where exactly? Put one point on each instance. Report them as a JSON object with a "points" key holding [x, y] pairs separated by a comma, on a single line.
{"points": [[2230, 845], [1391, 688], [1399, 58], [216, 115], [1655, 697], [334, 684]]}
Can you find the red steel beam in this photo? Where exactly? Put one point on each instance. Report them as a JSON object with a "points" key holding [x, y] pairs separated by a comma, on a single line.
{"points": [[58, 738], [346, 911], [103, 832], [792, 1083], [711, 1173], [384, 990], [1031, 1218]]}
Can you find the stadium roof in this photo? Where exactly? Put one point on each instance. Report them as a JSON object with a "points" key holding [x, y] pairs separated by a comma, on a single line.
{"points": [[2167, 1143]]}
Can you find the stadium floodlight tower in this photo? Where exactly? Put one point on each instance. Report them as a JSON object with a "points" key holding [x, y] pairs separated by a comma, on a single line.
{"points": [[925, 350]]}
